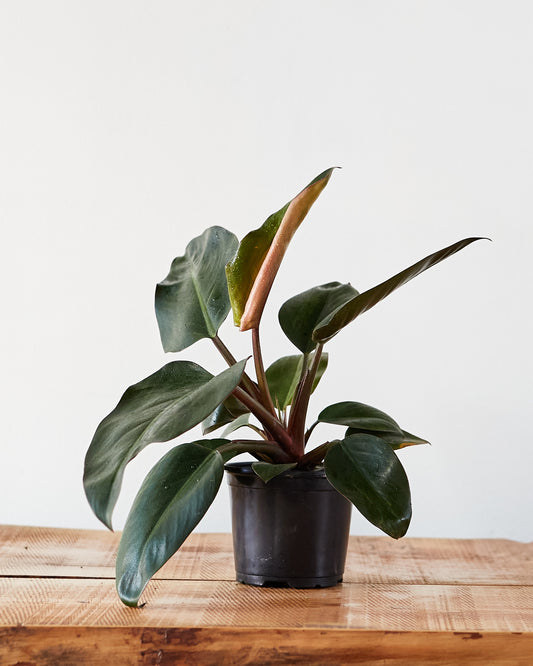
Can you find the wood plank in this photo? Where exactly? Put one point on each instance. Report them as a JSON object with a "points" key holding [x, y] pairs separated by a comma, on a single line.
{"points": [[28, 551], [41, 551], [439, 561], [367, 607], [431, 601], [72, 646]]}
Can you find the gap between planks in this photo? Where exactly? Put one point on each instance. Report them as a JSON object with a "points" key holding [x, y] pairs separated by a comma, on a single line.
{"points": [[233, 580]]}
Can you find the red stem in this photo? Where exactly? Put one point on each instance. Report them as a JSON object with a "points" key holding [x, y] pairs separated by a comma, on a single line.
{"points": [[246, 383], [260, 372], [299, 409], [270, 422]]}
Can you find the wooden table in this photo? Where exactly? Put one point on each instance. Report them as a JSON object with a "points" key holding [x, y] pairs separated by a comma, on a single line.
{"points": [[431, 601]]}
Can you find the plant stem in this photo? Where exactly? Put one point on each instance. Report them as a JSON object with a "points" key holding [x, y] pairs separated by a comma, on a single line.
{"points": [[260, 432], [301, 402], [260, 372], [269, 448], [317, 455], [305, 363], [247, 383], [269, 421], [297, 415], [310, 430]]}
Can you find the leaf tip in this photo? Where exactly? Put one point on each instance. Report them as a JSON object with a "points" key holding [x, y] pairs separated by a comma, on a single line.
{"points": [[127, 595], [400, 530], [107, 519]]}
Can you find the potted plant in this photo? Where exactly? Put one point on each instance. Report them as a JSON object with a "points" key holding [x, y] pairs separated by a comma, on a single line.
{"points": [[283, 532]]}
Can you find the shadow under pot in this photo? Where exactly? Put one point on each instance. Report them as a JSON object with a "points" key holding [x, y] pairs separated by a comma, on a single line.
{"points": [[290, 532]]}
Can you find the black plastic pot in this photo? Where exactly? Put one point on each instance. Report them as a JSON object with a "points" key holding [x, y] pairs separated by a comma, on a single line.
{"points": [[290, 532]]}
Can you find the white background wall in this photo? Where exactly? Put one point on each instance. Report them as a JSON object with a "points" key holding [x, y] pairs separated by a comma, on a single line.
{"points": [[128, 127]]}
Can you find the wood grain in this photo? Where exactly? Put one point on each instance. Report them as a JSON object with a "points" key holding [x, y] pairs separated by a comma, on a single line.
{"points": [[90, 646], [478, 608], [41, 551], [431, 601]]}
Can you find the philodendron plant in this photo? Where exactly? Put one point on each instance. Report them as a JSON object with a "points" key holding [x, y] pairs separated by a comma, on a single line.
{"points": [[215, 275]]}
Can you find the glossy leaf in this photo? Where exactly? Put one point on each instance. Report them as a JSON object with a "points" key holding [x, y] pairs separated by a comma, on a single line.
{"points": [[358, 415], [173, 498], [301, 314], [218, 418], [225, 413], [192, 301], [398, 440], [251, 272], [215, 445], [363, 302], [157, 409], [283, 376], [268, 471], [239, 422], [366, 470]]}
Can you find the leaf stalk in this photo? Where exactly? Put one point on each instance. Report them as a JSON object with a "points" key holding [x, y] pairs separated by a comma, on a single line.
{"points": [[298, 413], [260, 372], [247, 383], [270, 448], [269, 421]]}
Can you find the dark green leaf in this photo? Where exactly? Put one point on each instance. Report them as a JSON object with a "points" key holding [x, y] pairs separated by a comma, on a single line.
{"points": [[173, 498], [251, 273], [410, 439], [360, 416], [366, 470], [218, 418], [301, 314], [239, 422], [398, 440], [192, 301], [157, 409], [268, 471], [359, 304], [225, 413], [215, 445], [283, 375]]}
